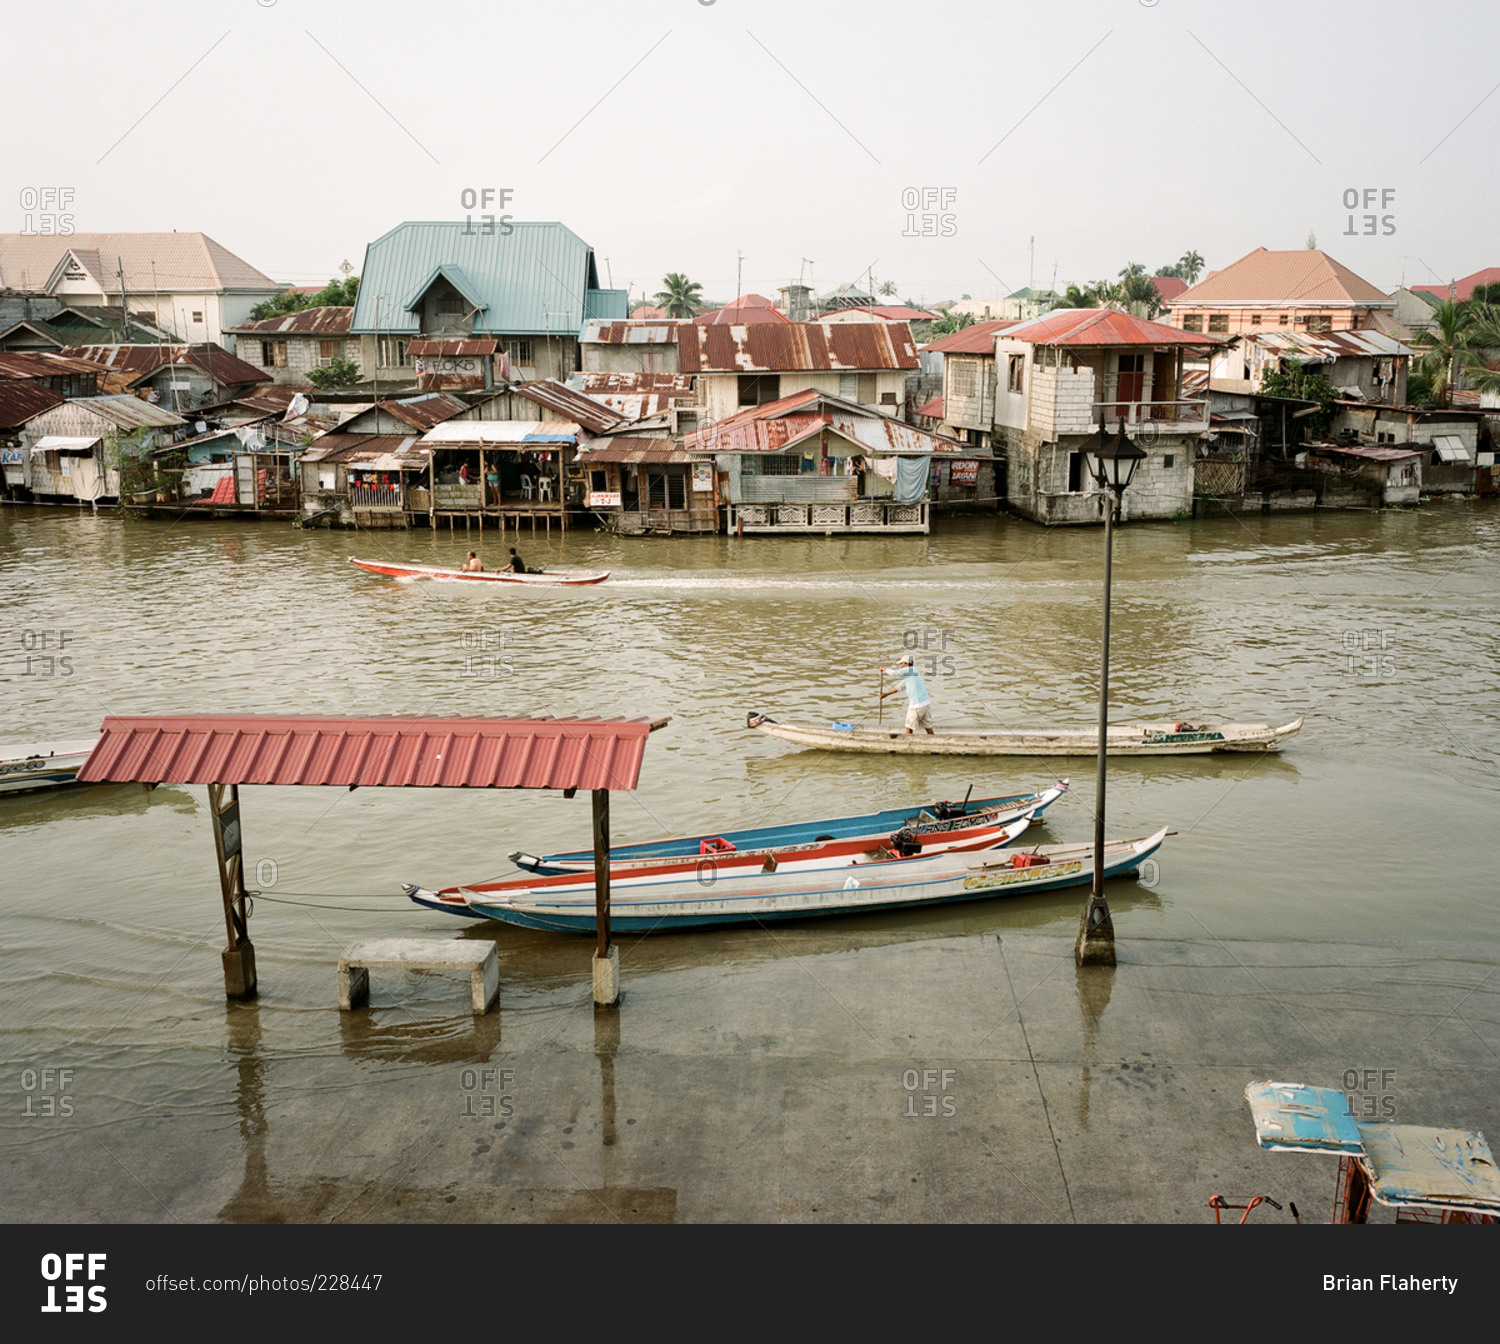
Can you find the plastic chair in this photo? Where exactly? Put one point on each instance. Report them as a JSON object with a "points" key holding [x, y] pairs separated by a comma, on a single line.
{"points": [[545, 486], [526, 487]]}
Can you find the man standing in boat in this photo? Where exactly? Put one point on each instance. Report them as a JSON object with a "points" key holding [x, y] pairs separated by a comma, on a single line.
{"points": [[918, 702]]}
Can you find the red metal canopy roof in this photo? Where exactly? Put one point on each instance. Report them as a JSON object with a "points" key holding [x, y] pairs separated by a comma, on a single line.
{"points": [[389, 751], [1101, 326]]}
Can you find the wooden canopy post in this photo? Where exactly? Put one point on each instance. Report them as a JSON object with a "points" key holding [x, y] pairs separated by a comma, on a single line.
{"points": [[606, 955], [239, 954]]}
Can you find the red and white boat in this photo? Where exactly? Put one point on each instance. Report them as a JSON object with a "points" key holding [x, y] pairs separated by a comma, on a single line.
{"points": [[396, 571]]}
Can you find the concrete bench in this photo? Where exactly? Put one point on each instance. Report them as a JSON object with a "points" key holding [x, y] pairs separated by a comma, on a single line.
{"points": [[420, 954]]}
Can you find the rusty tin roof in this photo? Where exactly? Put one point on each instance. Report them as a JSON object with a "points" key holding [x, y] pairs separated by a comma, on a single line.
{"points": [[795, 347]]}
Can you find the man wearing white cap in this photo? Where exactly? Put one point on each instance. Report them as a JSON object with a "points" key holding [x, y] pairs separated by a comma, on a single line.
{"points": [[918, 702]]}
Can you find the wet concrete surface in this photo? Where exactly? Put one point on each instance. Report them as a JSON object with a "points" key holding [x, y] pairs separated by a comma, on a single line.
{"points": [[967, 1078]]}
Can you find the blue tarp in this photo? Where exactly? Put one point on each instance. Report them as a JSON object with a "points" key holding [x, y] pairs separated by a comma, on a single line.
{"points": [[911, 479]]}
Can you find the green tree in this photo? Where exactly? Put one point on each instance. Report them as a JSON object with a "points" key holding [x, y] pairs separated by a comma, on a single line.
{"points": [[1449, 347], [948, 323], [1170, 272], [1190, 267], [1295, 380], [340, 372], [1131, 269], [680, 296], [335, 294], [1138, 295], [888, 288]]}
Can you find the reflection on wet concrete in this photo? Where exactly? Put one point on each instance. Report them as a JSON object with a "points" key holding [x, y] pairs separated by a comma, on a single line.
{"points": [[1095, 984]]}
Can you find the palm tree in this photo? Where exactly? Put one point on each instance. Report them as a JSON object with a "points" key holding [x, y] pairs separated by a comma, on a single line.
{"points": [[1484, 337], [1451, 344], [1131, 270], [1190, 267], [888, 288], [680, 296], [1139, 295]]}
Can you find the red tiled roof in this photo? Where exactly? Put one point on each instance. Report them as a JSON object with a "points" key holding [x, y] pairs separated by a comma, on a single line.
{"points": [[392, 751], [1305, 276], [732, 316], [1168, 286], [931, 410], [1101, 326], [1462, 289]]}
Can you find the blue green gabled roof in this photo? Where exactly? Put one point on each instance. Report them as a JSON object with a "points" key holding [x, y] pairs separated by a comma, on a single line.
{"points": [[534, 279]]}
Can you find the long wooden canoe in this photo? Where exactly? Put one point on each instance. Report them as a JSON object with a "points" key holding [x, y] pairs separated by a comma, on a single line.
{"points": [[396, 571], [1134, 739], [709, 870], [933, 826], [685, 903]]}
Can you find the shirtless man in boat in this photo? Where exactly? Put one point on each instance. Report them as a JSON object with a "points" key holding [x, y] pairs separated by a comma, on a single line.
{"points": [[918, 702], [472, 565]]}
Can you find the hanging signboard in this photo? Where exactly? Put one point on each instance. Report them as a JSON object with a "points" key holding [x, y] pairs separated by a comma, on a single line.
{"points": [[604, 499], [965, 472], [703, 476]]}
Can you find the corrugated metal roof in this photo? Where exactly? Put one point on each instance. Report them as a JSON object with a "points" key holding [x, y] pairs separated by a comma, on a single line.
{"points": [[19, 401], [390, 752], [931, 410], [796, 347], [129, 366], [596, 382], [483, 433], [648, 452], [453, 349], [630, 333], [1374, 454], [1327, 345], [378, 452], [880, 313], [128, 412], [423, 412], [593, 415], [976, 339], [1302, 278], [756, 436], [1102, 326], [530, 281], [42, 364], [330, 321], [640, 405], [182, 261]]}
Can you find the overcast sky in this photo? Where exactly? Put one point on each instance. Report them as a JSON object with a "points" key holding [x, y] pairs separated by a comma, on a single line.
{"points": [[673, 134]]}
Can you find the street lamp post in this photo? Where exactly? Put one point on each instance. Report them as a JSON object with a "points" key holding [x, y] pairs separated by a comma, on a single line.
{"points": [[1112, 463]]}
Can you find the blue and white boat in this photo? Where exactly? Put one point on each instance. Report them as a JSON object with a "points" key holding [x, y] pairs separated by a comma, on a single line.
{"points": [[928, 824], [686, 901], [42, 765]]}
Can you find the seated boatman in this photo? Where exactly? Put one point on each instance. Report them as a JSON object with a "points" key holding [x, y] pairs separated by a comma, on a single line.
{"points": [[918, 702], [516, 565], [472, 565]]}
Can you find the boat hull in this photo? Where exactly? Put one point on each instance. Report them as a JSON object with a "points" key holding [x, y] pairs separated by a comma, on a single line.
{"points": [[901, 885], [1138, 739], [870, 829], [42, 765], [392, 570]]}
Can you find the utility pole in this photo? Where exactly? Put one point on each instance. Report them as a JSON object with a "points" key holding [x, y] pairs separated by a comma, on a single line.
{"points": [[739, 274], [124, 307]]}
